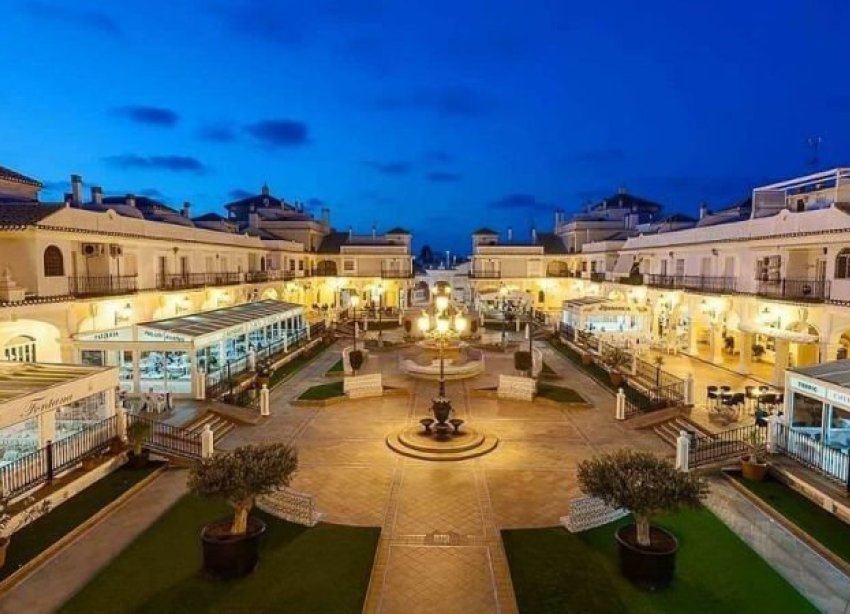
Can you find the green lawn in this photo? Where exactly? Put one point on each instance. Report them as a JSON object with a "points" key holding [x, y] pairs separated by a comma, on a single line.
{"points": [[816, 521], [322, 392], [555, 571], [321, 569], [559, 394], [295, 364], [336, 369], [33, 539]]}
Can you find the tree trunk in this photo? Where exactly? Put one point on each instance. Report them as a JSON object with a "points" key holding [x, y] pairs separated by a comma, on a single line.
{"points": [[240, 517], [642, 524]]}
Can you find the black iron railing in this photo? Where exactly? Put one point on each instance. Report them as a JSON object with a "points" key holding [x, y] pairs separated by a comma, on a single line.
{"points": [[696, 283], [725, 445], [479, 274], [399, 272], [102, 285], [183, 281], [46, 463], [253, 277], [814, 290], [168, 439]]}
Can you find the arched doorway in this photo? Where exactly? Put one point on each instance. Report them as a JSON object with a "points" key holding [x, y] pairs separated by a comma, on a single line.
{"points": [[804, 354], [30, 341]]}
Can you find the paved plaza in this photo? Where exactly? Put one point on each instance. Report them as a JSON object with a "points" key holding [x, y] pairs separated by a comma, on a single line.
{"points": [[440, 549]]}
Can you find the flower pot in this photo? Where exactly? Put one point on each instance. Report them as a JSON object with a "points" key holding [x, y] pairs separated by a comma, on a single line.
{"points": [[228, 556], [651, 567], [137, 461], [753, 471], [4, 545]]}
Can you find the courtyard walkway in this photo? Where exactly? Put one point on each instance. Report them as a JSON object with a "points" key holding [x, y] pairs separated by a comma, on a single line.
{"points": [[440, 549]]}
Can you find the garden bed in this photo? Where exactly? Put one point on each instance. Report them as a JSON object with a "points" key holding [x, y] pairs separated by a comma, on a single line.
{"points": [[296, 364], [560, 572], [322, 392], [559, 394], [820, 529], [43, 533], [337, 370], [325, 569]]}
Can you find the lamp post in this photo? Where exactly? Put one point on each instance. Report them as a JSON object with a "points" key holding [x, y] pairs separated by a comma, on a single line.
{"points": [[379, 290], [354, 301], [442, 323], [503, 293]]}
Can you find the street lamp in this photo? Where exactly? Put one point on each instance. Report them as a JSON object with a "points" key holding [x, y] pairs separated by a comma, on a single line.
{"points": [[444, 322], [354, 301], [379, 291], [503, 294]]}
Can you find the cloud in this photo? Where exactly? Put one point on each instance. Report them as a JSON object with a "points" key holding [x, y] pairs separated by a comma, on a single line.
{"points": [[443, 177], [279, 132], [376, 198], [151, 193], [315, 203], [390, 168], [217, 133], [174, 163], [239, 194], [151, 116], [437, 157], [520, 202], [94, 20], [452, 101]]}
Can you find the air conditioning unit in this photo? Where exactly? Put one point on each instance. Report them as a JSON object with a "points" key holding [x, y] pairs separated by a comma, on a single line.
{"points": [[115, 250], [92, 249]]}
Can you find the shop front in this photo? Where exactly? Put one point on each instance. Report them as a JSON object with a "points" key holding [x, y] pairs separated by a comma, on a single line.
{"points": [[167, 356], [601, 316], [817, 415], [42, 403]]}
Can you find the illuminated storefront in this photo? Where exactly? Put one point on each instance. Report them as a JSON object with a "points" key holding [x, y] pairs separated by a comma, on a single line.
{"points": [[166, 355], [600, 315]]}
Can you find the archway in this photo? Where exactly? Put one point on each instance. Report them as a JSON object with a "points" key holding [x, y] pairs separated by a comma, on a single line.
{"points": [[30, 341], [804, 354]]}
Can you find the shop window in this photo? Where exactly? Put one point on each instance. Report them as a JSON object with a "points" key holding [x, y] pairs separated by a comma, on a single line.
{"points": [[842, 264], [54, 263], [808, 413], [20, 349]]}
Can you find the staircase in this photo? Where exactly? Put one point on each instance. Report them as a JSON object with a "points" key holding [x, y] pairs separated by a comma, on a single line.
{"points": [[669, 430], [345, 330], [220, 425]]}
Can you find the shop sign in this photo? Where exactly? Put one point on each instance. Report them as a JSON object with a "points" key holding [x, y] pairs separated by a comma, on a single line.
{"points": [[117, 334], [807, 387], [146, 334], [837, 396], [44, 403]]}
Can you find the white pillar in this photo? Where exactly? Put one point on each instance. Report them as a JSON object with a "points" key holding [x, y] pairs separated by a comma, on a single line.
{"points": [[781, 358], [122, 423], [745, 355], [621, 405], [46, 428], [683, 447], [264, 401], [199, 384], [773, 422], [527, 331], [517, 325], [689, 390], [207, 443], [716, 344], [252, 360]]}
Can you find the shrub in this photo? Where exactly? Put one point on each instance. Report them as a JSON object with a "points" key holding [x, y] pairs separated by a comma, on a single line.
{"points": [[641, 483], [137, 433], [242, 475]]}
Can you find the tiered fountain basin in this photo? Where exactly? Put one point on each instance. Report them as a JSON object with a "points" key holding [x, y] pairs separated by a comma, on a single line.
{"points": [[415, 442], [459, 362]]}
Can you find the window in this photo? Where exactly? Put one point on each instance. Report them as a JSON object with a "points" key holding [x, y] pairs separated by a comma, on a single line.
{"points": [[300, 265], [842, 264], [54, 265], [348, 265]]}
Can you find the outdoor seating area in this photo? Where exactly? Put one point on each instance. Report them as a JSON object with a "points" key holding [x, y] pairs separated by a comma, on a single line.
{"points": [[728, 406]]}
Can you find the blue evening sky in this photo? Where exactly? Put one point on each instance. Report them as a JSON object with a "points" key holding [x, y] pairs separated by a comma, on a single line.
{"points": [[438, 116]]}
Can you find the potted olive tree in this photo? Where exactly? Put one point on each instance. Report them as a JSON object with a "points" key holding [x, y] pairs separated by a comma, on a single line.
{"points": [[754, 463], [231, 546], [137, 434], [355, 359], [646, 486], [616, 359], [32, 511]]}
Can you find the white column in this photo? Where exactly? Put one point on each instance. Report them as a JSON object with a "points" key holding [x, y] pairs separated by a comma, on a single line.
{"points": [[773, 422], [46, 428], [207, 443], [122, 424], [689, 390], [683, 447], [745, 356], [264, 401], [199, 384], [716, 344], [527, 331], [621, 405], [781, 357]]}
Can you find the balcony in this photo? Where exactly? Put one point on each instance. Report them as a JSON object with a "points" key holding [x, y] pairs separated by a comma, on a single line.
{"points": [[479, 274], [256, 277], [185, 281], [102, 285], [694, 283], [396, 272], [804, 290]]}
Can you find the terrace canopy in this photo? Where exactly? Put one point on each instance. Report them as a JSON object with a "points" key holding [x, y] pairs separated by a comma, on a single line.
{"points": [[597, 314], [167, 355]]}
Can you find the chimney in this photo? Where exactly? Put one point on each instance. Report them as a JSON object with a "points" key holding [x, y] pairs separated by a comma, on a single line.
{"points": [[187, 208], [510, 234], [265, 189], [533, 235], [326, 216], [350, 232], [253, 219], [76, 190], [130, 200], [374, 231], [97, 195]]}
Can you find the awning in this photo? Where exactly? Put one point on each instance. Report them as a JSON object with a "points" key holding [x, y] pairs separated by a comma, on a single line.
{"points": [[778, 333], [624, 264]]}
